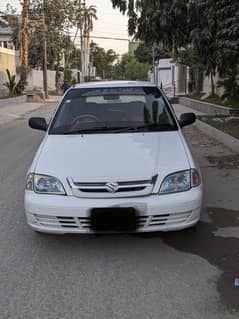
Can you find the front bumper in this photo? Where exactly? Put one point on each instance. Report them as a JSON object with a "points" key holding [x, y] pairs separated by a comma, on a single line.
{"points": [[68, 214]]}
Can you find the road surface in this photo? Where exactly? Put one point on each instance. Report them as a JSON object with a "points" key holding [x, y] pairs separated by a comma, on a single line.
{"points": [[187, 274]]}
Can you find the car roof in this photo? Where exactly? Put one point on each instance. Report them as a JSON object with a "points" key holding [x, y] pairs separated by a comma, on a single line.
{"points": [[103, 84]]}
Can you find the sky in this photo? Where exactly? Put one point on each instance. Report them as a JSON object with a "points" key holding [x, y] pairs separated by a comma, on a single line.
{"points": [[111, 23]]}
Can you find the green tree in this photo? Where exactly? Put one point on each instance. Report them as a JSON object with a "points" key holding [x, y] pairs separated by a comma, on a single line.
{"points": [[83, 21], [60, 17], [227, 13], [144, 53], [58, 22], [103, 60], [189, 57], [129, 68], [209, 27], [164, 21], [204, 37]]}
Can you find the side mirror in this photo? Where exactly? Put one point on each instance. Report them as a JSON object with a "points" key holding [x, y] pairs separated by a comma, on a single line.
{"points": [[187, 119], [38, 123], [170, 99]]}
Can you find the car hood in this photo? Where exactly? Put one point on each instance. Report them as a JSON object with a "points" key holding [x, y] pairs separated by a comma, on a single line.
{"points": [[106, 157]]}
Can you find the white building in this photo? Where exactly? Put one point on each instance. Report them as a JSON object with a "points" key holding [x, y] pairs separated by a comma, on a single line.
{"points": [[171, 76], [5, 35]]}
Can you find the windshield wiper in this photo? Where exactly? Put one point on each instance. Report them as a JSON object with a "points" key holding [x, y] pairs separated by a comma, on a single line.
{"points": [[118, 129], [158, 126], [96, 129]]}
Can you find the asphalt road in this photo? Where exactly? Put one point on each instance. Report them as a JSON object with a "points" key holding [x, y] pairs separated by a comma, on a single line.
{"points": [[187, 274]]}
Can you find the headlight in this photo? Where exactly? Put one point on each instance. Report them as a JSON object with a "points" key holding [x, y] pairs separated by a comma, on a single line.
{"points": [[180, 181], [44, 184], [177, 182], [195, 178], [29, 182]]}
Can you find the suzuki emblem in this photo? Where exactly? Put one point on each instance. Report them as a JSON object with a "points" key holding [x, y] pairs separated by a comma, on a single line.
{"points": [[112, 187]]}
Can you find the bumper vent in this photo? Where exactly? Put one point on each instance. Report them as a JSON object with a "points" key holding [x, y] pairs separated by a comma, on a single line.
{"points": [[83, 223]]}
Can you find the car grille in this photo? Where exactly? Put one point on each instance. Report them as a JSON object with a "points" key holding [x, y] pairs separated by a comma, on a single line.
{"points": [[113, 189], [83, 223]]}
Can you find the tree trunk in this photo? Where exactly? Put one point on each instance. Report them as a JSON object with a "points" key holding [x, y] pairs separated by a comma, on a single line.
{"points": [[212, 85], [197, 86], [24, 46]]}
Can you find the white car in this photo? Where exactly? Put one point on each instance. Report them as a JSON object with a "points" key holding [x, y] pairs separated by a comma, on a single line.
{"points": [[113, 159]]}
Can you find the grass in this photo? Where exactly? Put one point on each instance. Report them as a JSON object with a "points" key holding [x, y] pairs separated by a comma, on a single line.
{"points": [[226, 125], [217, 100]]}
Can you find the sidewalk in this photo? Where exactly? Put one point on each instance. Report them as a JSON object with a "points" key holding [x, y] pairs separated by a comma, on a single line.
{"points": [[14, 111], [229, 141], [180, 109]]}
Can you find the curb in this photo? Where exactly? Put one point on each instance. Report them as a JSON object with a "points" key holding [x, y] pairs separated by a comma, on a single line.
{"points": [[224, 138], [13, 100], [206, 107]]}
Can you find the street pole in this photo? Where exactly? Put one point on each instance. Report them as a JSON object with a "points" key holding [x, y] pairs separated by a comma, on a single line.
{"points": [[153, 53], [82, 5], [44, 68]]}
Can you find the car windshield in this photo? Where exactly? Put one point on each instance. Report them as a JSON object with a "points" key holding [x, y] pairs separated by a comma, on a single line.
{"points": [[112, 109]]}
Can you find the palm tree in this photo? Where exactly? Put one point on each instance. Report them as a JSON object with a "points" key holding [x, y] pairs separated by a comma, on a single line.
{"points": [[89, 15], [84, 17]]}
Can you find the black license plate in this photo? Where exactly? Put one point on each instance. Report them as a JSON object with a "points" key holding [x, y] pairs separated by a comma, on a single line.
{"points": [[113, 219]]}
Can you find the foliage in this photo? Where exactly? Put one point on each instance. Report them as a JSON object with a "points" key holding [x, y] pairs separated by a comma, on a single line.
{"points": [[227, 13], [72, 57], [58, 21], [144, 53], [215, 99], [9, 15], [204, 37], [103, 60], [129, 68], [188, 56], [230, 83], [68, 75], [156, 21], [89, 79], [60, 17], [210, 28], [83, 17], [11, 83], [58, 77], [229, 126]]}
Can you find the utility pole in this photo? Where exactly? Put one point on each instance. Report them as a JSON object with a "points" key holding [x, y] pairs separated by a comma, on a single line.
{"points": [[153, 53], [82, 5], [44, 67]]}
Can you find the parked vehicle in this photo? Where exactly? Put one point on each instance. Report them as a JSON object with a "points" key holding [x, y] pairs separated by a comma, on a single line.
{"points": [[113, 159]]}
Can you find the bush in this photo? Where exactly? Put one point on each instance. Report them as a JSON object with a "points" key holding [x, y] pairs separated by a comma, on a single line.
{"points": [[68, 75], [11, 83]]}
